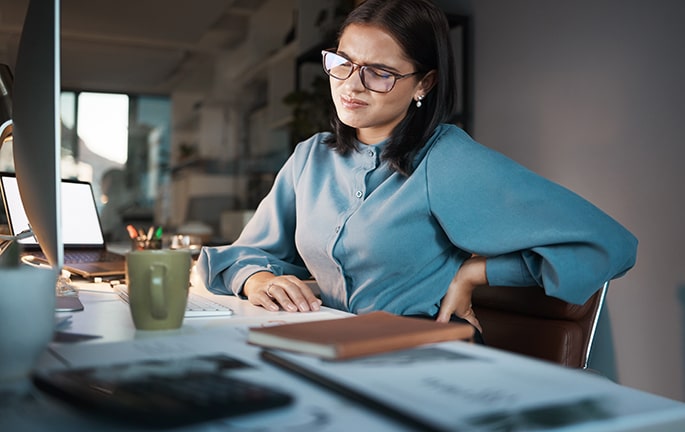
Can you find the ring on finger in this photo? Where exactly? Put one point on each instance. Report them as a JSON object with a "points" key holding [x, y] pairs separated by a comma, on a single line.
{"points": [[268, 289]]}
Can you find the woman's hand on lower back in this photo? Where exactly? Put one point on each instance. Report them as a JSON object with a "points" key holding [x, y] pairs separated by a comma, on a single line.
{"points": [[457, 300]]}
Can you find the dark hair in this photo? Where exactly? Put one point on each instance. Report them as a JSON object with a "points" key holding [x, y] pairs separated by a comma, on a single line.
{"points": [[421, 30]]}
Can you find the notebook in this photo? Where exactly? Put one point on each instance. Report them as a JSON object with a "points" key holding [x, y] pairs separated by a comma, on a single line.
{"points": [[85, 249]]}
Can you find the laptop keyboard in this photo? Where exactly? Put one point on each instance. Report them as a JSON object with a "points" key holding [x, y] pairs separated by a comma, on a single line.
{"points": [[75, 257], [79, 257]]}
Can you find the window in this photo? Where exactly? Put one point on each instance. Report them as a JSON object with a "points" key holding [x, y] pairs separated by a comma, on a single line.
{"points": [[121, 144]]}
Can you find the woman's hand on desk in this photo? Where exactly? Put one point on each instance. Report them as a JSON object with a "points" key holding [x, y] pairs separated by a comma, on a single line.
{"points": [[276, 292]]}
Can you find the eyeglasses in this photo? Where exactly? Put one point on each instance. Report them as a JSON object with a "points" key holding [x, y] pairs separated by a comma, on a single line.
{"points": [[373, 78]]}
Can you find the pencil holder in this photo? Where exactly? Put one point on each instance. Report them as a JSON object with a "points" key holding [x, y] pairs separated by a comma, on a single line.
{"points": [[145, 244]]}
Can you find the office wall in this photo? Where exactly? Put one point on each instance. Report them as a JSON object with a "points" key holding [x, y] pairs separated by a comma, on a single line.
{"points": [[591, 93]]}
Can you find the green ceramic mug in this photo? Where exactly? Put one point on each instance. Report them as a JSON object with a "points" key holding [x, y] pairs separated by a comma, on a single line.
{"points": [[158, 282]]}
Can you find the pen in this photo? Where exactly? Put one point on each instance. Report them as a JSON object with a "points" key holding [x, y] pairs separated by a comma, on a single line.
{"points": [[132, 232], [158, 233], [149, 233]]}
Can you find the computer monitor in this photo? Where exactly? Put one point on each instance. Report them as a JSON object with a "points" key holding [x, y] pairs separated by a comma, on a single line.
{"points": [[36, 125]]}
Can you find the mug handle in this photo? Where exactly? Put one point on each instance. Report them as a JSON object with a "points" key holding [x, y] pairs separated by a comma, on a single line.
{"points": [[157, 277]]}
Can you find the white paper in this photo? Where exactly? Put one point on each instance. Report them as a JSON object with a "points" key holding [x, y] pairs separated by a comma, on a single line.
{"points": [[459, 386]]}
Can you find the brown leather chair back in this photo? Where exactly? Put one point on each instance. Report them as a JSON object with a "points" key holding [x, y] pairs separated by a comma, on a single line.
{"points": [[525, 320]]}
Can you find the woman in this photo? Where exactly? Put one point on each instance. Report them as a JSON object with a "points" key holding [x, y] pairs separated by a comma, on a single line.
{"points": [[397, 210]]}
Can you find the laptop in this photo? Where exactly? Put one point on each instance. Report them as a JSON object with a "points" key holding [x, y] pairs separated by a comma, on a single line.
{"points": [[85, 250]]}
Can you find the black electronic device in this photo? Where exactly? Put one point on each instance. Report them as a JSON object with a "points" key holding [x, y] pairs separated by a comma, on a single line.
{"points": [[163, 393]]}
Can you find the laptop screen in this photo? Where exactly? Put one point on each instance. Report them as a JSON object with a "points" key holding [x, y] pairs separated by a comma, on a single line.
{"points": [[80, 221]]}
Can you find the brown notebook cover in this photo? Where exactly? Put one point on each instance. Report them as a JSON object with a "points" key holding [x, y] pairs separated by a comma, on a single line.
{"points": [[361, 335]]}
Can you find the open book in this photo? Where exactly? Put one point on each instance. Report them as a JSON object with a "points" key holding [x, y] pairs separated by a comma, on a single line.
{"points": [[356, 336]]}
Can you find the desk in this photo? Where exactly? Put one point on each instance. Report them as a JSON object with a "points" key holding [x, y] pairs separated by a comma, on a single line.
{"points": [[315, 408]]}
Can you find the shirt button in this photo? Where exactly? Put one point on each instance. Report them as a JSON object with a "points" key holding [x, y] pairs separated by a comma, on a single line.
{"points": [[359, 194], [371, 153], [337, 229]]}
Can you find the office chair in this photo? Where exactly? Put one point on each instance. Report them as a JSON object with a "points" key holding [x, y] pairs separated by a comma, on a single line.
{"points": [[525, 320]]}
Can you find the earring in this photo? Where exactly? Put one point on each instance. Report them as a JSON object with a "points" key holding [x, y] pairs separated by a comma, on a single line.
{"points": [[418, 101]]}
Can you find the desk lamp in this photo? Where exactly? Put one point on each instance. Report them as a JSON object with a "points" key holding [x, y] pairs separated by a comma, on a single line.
{"points": [[6, 81], [9, 249]]}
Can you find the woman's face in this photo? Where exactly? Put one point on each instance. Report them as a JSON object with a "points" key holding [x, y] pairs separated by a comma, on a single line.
{"points": [[373, 114]]}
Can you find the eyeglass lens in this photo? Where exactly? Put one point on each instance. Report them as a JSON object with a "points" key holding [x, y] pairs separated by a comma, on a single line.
{"points": [[372, 78]]}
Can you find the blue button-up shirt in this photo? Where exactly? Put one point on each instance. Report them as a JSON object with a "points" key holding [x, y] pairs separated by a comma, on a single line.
{"points": [[377, 240]]}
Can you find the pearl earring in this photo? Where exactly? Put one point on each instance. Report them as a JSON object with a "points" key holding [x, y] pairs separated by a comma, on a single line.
{"points": [[418, 101]]}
